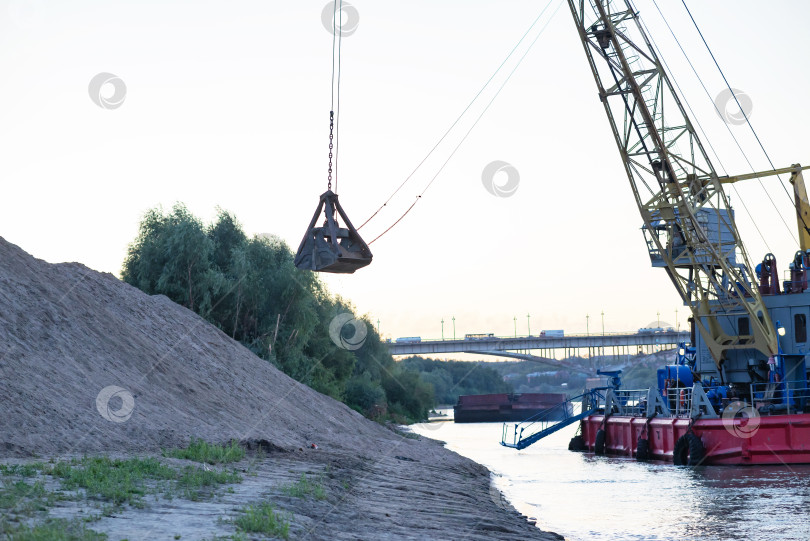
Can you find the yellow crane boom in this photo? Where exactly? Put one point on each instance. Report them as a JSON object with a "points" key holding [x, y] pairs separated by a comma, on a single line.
{"points": [[688, 222], [799, 196]]}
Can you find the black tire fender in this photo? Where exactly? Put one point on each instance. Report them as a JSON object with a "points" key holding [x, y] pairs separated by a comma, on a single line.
{"points": [[688, 451], [697, 452], [680, 454], [643, 449], [599, 442], [577, 443]]}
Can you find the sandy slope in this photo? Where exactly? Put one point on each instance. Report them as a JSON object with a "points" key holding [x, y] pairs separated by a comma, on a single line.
{"points": [[67, 332]]}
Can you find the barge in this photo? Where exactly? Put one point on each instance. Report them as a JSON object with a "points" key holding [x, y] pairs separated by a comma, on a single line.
{"points": [[691, 427], [687, 421], [496, 408]]}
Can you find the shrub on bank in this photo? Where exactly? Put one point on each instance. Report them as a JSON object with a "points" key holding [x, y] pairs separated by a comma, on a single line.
{"points": [[251, 289]]}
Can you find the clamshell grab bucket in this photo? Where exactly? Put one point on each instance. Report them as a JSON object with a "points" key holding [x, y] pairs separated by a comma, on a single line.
{"points": [[331, 248]]}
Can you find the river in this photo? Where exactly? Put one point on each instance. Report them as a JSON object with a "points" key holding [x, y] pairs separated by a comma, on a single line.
{"points": [[588, 498]]}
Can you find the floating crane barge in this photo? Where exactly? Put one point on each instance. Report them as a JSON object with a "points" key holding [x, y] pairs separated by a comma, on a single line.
{"points": [[738, 393]]}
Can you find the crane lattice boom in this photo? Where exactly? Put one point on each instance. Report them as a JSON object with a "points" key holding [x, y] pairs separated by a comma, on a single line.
{"points": [[688, 222]]}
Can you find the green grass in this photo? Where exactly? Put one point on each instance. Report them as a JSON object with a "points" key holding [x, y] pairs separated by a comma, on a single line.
{"points": [[262, 518], [50, 530], [210, 453], [113, 482], [22, 470], [116, 481], [24, 499], [195, 483], [128, 481], [305, 487], [13, 493]]}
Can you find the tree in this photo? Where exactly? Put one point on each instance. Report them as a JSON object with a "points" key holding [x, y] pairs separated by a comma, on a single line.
{"points": [[451, 379], [407, 394], [172, 256], [251, 289], [365, 394]]}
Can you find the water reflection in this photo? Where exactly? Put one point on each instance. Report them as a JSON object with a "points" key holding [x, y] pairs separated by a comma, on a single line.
{"points": [[597, 498], [754, 502]]}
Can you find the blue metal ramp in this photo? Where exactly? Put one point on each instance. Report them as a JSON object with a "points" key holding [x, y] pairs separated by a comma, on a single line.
{"points": [[550, 421]]}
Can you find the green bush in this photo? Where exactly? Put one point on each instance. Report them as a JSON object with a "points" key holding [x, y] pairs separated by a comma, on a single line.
{"points": [[50, 530], [364, 394], [194, 483], [262, 518], [408, 394], [450, 379], [305, 487], [201, 451], [250, 288], [116, 481]]}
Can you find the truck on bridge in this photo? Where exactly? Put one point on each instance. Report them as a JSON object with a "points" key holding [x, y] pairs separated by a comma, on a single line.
{"points": [[479, 336]]}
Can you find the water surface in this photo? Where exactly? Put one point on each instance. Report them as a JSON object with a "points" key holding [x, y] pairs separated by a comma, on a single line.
{"points": [[586, 498]]}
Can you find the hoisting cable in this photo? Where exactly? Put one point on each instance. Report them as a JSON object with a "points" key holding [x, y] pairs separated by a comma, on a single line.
{"points": [[747, 121], [418, 197], [334, 121], [337, 114], [742, 201], [695, 117], [446, 133], [731, 133]]}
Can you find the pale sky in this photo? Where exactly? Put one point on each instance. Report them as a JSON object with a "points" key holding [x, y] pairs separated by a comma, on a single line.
{"points": [[227, 105]]}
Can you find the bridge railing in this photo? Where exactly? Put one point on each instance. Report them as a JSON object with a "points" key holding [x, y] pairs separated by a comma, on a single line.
{"points": [[667, 334]]}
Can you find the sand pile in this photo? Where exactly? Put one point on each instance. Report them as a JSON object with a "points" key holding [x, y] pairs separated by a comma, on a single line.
{"points": [[89, 364], [77, 346]]}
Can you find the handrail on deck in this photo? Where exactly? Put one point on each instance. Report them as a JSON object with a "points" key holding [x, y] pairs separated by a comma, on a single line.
{"points": [[788, 397], [548, 421]]}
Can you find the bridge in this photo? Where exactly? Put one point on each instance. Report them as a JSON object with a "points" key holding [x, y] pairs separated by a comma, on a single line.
{"points": [[615, 344]]}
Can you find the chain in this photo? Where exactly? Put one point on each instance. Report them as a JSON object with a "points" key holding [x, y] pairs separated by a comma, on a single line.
{"points": [[331, 141]]}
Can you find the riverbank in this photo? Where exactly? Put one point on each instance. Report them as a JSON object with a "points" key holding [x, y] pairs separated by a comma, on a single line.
{"points": [[90, 366], [313, 493]]}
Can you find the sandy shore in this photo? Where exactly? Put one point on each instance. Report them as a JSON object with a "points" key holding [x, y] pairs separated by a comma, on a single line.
{"points": [[364, 497], [69, 334]]}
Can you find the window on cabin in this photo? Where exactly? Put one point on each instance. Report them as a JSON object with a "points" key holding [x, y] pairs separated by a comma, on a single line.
{"points": [[743, 326], [800, 328]]}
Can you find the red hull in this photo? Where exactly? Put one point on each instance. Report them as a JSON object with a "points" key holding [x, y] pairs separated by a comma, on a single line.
{"points": [[778, 439]]}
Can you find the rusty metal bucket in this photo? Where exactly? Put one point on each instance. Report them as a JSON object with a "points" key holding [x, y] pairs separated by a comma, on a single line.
{"points": [[331, 248]]}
